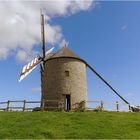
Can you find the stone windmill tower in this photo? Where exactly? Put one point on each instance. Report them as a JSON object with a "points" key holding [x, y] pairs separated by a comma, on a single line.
{"points": [[64, 79]]}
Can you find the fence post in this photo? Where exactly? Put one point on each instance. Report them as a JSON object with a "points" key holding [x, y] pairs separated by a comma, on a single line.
{"points": [[8, 103], [117, 106], [24, 105], [43, 104], [102, 104]]}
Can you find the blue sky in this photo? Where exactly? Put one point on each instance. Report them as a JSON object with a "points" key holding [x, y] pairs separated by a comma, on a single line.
{"points": [[107, 37]]}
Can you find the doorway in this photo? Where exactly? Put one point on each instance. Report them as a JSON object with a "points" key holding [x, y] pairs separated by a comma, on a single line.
{"points": [[67, 103]]}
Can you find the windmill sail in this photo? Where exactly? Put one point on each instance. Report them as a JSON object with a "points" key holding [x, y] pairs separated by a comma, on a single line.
{"points": [[49, 51], [24, 75], [27, 69]]}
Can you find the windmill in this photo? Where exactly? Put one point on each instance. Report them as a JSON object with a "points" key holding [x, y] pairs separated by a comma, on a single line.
{"points": [[61, 68]]}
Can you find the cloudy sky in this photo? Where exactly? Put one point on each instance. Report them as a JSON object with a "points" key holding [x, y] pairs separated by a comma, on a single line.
{"points": [[20, 24], [105, 34]]}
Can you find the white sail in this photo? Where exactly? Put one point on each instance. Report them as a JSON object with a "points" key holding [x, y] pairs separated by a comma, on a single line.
{"points": [[27, 73], [49, 51], [28, 68]]}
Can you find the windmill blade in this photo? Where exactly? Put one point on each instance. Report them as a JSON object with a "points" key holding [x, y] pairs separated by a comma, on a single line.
{"points": [[29, 67], [98, 75], [49, 51], [25, 74], [48, 54]]}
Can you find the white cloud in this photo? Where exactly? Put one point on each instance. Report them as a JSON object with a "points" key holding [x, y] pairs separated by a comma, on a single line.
{"points": [[23, 55], [124, 27], [20, 24]]}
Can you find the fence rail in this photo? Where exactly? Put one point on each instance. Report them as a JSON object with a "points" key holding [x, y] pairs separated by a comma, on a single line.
{"points": [[24, 105]]}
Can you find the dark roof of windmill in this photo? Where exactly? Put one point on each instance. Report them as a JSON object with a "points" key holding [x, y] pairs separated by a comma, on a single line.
{"points": [[65, 52]]}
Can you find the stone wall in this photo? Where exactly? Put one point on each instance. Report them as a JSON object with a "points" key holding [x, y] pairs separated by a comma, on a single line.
{"points": [[64, 76]]}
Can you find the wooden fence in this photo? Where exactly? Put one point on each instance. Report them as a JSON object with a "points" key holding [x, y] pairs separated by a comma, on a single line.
{"points": [[101, 105], [24, 107], [84, 105]]}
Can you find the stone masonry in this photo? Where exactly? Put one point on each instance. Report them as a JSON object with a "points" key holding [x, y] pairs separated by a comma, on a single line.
{"points": [[64, 76]]}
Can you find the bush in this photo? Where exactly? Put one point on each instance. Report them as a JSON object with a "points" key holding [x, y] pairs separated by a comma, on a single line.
{"points": [[37, 109], [98, 108]]}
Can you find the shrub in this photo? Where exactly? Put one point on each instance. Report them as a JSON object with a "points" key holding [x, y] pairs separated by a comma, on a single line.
{"points": [[98, 108]]}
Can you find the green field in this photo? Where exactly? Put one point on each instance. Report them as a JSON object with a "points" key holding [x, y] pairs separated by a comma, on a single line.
{"points": [[60, 125]]}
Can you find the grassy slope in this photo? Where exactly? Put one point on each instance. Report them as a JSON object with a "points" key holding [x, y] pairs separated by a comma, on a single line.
{"points": [[69, 125]]}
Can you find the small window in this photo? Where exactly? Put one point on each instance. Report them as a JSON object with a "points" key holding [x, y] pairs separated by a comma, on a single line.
{"points": [[67, 73]]}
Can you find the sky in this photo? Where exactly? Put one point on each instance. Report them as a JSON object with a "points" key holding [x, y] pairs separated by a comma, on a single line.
{"points": [[103, 33]]}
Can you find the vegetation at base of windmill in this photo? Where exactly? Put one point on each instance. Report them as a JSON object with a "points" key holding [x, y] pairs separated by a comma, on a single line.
{"points": [[98, 108], [78, 110], [56, 110], [62, 125], [37, 109]]}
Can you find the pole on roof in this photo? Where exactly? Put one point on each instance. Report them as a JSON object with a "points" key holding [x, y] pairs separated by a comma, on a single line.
{"points": [[43, 35]]}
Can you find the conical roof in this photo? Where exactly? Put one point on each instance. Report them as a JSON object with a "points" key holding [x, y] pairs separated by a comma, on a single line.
{"points": [[65, 52]]}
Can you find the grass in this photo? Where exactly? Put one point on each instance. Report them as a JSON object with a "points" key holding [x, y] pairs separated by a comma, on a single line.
{"points": [[63, 125]]}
